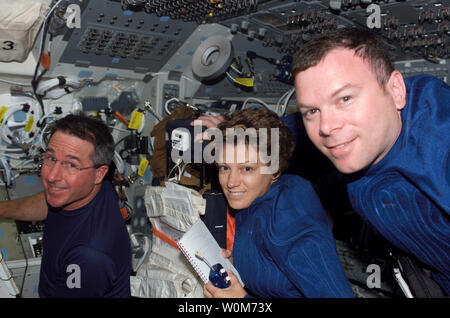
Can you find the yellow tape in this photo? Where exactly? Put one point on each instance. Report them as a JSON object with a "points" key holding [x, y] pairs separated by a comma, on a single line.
{"points": [[245, 81], [29, 125], [2, 112], [142, 166], [136, 120]]}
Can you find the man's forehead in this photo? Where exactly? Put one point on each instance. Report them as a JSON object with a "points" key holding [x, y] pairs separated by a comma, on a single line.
{"points": [[340, 64], [71, 144], [341, 54]]}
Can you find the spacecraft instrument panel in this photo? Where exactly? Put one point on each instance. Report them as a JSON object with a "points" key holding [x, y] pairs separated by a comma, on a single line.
{"points": [[133, 62]]}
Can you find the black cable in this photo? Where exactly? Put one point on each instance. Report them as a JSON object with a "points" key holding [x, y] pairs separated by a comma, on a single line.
{"points": [[122, 139], [36, 79], [26, 268], [252, 55]]}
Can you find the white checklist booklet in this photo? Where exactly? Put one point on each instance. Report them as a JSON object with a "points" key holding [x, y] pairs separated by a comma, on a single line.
{"points": [[198, 239]]}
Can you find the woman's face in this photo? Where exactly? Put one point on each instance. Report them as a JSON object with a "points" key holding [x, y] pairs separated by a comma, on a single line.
{"points": [[240, 175]]}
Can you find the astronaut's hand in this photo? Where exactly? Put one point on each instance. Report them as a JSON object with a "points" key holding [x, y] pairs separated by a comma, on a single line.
{"points": [[234, 291]]}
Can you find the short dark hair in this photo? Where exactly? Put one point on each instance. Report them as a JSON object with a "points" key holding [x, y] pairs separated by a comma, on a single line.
{"points": [[89, 129], [365, 43], [262, 118]]}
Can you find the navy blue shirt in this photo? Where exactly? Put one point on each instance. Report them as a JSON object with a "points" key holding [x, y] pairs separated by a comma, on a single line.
{"points": [[284, 247], [86, 252], [406, 196]]}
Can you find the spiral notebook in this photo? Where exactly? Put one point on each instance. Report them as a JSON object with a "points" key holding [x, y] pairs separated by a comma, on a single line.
{"points": [[200, 240]]}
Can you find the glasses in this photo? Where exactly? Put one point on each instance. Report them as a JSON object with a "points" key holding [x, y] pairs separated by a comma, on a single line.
{"points": [[67, 166]]}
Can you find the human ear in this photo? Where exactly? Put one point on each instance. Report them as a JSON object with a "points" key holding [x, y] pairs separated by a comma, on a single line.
{"points": [[100, 173], [275, 177], [397, 88]]}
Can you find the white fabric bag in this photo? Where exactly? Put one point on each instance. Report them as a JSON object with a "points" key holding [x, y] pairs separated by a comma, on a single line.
{"points": [[20, 21], [168, 274]]}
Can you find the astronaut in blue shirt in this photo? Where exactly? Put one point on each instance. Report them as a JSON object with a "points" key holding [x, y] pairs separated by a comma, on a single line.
{"points": [[391, 134], [86, 246], [283, 245]]}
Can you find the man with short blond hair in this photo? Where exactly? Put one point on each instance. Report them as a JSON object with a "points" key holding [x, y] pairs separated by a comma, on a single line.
{"points": [[390, 134]]}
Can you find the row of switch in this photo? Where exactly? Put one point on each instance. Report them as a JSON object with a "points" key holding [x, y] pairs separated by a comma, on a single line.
{"points": [[193, 10], [122, 44]]}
